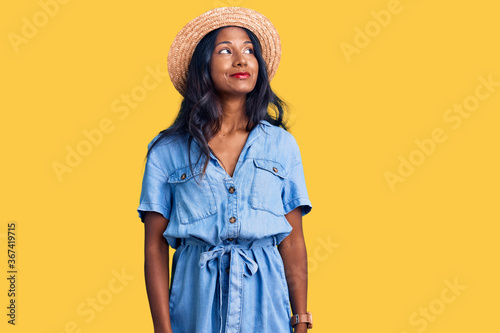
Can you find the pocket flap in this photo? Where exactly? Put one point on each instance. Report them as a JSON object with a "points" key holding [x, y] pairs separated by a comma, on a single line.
{"points": [[271, 166], [183, 174]]}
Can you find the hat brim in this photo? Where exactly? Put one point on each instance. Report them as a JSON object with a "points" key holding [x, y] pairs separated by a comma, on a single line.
{"points": [[184, 44]]}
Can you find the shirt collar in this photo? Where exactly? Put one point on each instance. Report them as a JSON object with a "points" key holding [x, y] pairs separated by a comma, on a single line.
{"points": [[252, 136], [265, 122]]}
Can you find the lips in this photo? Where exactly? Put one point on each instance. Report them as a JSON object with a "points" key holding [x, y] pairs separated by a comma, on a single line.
{"points": [[241, 75]]}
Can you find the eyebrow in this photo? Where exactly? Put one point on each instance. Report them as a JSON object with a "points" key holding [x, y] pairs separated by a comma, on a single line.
{"points": [[228, 42]]}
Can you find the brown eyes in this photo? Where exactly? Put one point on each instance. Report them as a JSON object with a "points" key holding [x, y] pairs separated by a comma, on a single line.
{"points": [[251, 51]]}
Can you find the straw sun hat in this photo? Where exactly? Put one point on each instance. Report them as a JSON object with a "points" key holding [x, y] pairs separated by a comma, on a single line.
{"points": [[184, 44]]}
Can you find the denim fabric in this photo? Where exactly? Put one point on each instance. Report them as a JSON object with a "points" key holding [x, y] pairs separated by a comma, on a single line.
{"points": [[227, 273]]}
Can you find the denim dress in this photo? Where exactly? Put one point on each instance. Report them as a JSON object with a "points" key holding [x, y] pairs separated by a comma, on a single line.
{"points": [[227, 274]]}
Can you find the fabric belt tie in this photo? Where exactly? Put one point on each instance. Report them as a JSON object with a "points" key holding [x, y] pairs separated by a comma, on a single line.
{"points": [[236, 272]]}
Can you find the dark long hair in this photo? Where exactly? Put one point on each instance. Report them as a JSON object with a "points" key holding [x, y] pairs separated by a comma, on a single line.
{"points": [[201, 114]]}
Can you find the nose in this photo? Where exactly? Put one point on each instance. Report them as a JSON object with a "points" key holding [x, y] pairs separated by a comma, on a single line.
{"points": [[240, 59]]}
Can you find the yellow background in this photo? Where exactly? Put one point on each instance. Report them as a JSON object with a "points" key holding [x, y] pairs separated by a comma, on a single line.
{"points": [[379, 256]]}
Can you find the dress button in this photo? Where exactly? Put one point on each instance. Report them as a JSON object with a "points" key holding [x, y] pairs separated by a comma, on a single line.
{"points": [[231, 189], [227, 270], [183, 176], [275, 169], [232, 219], [230, 239]]}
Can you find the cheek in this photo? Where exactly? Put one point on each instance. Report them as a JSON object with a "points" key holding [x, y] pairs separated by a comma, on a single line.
{"points": [[217, 72], [219, 79], [255, 63]]}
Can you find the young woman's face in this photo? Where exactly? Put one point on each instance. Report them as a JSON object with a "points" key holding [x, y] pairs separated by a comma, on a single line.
{"points": [[233, 53]]}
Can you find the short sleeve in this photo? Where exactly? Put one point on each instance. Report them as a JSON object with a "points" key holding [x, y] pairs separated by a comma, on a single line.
{"points": [[156, 192], [294, 192]]}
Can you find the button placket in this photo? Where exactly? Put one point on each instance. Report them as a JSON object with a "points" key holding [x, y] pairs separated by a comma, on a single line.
{"points": [[232, 210]]}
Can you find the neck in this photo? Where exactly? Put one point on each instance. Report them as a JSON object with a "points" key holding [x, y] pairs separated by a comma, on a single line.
{"points": [[234, 116]]}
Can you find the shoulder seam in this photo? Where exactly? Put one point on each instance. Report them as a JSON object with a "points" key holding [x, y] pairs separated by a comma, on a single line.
{"points": [[153, 155]]}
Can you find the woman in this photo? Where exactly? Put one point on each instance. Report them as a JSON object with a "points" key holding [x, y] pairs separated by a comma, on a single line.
{"points": [[245, 194]]}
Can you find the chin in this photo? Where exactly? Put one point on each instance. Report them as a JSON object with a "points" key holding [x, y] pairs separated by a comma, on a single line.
{"points": [[238, 91]]}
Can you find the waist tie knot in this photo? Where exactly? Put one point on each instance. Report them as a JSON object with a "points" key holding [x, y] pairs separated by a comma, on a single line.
{"points": [[238, 256]]}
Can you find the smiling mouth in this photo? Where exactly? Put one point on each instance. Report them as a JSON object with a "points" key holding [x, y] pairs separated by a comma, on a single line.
{"points": [[241, 75]]}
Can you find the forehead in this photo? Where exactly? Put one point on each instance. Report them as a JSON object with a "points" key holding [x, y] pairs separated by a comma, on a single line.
{"points": [[230, 33]]}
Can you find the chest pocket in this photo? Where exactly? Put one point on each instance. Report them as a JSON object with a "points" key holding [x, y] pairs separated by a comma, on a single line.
{"points": [[267, 186], [194, 198]]}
